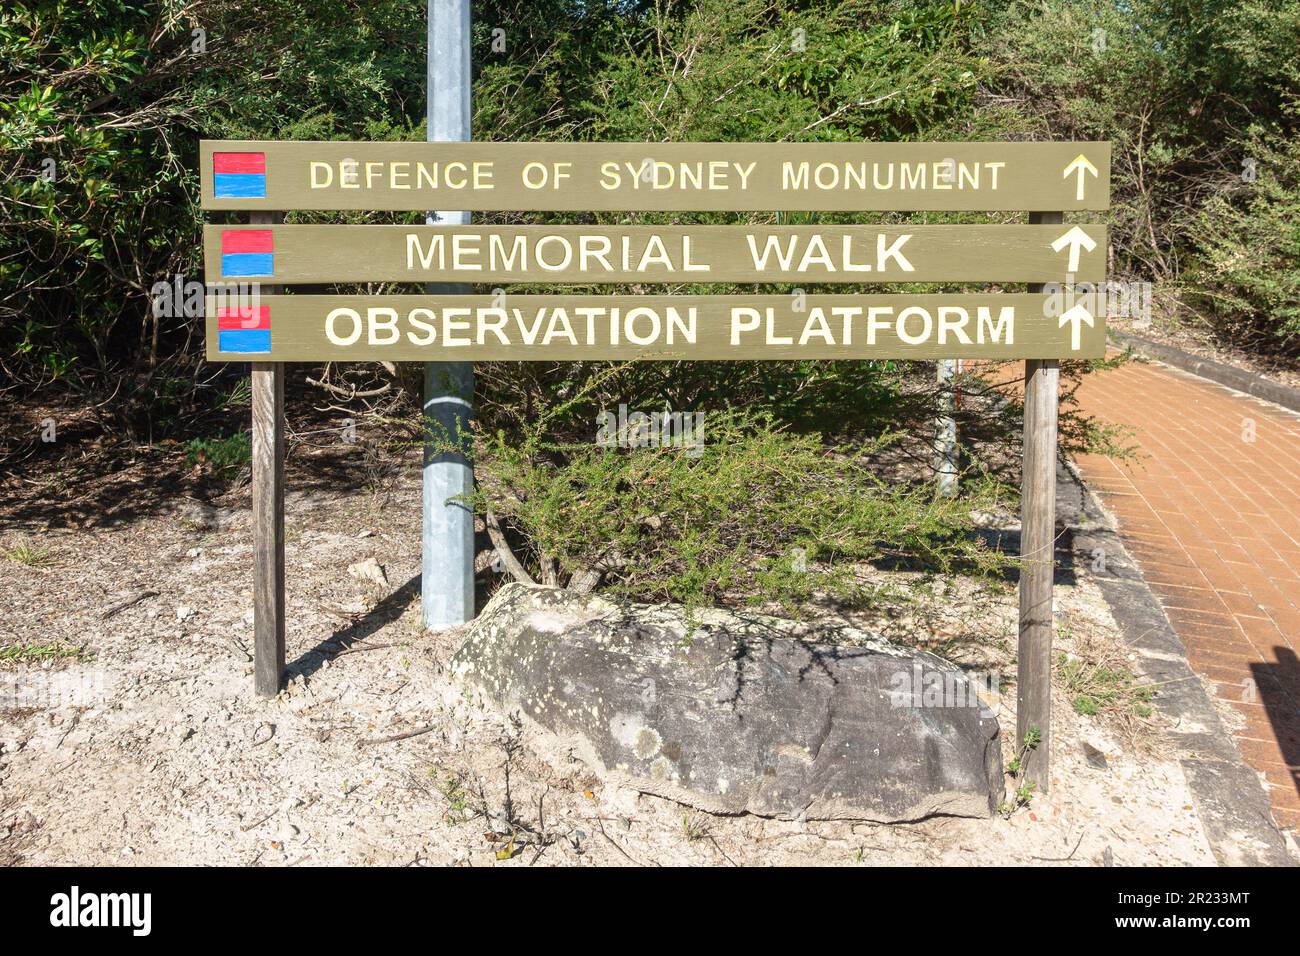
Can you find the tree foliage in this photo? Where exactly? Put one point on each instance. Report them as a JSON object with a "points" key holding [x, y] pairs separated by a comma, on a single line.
{"points": [[102, 103], [750, 510]]}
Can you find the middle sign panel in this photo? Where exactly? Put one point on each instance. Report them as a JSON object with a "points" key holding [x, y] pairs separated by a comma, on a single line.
{"points": [[580, 255]]}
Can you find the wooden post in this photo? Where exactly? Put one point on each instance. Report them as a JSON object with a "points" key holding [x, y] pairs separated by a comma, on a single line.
{"points": [[268, 514], [1037, 560]]}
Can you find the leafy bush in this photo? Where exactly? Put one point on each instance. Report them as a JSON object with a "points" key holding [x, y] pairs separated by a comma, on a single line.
{"points": [[115, 95], [1174, 86], [102, 103], [223, 457], [1246, 284], [754, 70], [756, 513], [842, 397]]}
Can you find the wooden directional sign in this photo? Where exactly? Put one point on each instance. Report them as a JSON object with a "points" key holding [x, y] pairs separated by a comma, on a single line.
{"points": [[653, 176], [242, 175], [605, 254], [1044, 179], [290, 328]]}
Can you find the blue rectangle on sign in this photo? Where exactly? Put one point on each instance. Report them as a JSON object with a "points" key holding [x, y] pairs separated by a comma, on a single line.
{"points": [[247, 264], [244, 340], [239, 185]]}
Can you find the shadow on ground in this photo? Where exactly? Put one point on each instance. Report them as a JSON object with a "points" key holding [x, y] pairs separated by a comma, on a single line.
{"points": [[83, 479], [1278, 685], [388, 610]]}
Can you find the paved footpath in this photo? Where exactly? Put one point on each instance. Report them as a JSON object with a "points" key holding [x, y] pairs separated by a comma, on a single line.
{"points": [[1211, 512]]}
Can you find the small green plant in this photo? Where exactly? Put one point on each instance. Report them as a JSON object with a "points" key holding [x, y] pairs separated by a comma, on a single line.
{"points": [[694, 827], [34, 556], [239, 396], [457, 797], [1024, 789], [1096, 688], [28, 652], [224, 457]]}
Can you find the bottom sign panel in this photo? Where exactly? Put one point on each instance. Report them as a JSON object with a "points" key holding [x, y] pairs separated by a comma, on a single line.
{"points": [[313, 328]]}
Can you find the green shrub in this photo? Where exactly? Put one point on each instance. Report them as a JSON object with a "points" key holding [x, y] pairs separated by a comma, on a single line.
{"points": [[756, 513], [1246, 284], [223, 457], [1098, 687], [1175, 87], [836, 397], [112, 93]]}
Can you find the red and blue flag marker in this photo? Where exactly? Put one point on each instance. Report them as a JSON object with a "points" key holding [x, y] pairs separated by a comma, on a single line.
{"points": [[245, 329], [247, 252], [239, 175]]}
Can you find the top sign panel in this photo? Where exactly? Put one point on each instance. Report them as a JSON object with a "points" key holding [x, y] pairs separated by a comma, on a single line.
{"points": [[643, 177]]}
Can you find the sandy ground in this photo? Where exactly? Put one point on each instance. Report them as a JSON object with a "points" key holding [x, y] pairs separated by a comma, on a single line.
{"points": [[152, 748]]}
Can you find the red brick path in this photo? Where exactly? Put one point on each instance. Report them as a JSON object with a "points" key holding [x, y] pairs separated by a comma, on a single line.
{"points": [[1213, 519]]}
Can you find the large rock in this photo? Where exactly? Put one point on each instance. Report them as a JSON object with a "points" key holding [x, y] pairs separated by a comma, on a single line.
{"points": [[739, 713]]}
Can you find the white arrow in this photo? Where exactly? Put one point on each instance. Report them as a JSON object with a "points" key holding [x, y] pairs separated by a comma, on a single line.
{"points": [[1081, 166], [1077, 315], [1075, 238]]}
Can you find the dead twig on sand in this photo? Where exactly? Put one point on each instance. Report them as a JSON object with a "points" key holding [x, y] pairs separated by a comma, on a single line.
{"points": [[257, 823], [614, 843], [1061, 859], [121, 606], [368, 647], [396, 737]]}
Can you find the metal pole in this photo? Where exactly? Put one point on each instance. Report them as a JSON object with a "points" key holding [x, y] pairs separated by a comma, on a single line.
{"points": [[945, 445], [447, 549]]}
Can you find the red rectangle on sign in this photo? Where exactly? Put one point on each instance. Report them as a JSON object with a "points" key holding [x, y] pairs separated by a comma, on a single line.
{"points": [[249, 317], [247, 240], [239, 162]]}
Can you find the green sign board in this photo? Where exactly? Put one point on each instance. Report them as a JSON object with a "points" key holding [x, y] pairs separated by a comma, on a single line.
{"points": [[582, 255], [630, 177], [576, 327], [245, 324]]}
